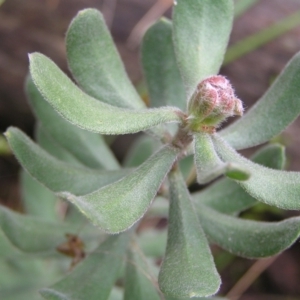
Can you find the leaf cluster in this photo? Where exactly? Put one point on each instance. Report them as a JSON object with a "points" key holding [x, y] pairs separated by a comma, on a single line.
{"points": [[73, 183]]}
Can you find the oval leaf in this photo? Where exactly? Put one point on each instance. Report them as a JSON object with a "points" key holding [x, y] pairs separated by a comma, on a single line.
{"points": [[90, 148], [87, 112], [227, 196], [201, 34], [248, 238], [31, 234], [273, 187], [118, 206], [55, 174], [279, 107], [163, 78], [95, 276], [188, 268], [95, 63]]}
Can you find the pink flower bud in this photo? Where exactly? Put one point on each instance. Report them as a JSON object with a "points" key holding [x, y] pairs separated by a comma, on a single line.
{"points": [[213, 101]]}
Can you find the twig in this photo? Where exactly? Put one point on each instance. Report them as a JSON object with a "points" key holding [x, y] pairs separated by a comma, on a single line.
{"points": [[249, 277], [156, 11]]}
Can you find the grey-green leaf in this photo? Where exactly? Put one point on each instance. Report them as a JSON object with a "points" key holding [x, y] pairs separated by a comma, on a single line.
{"points": [[88, 113], [139, 282], [95, 62], [208, 164], [32, 234], [119, 205], [273, 187], [37, 199], [278, 107], [87, 147], [227, 196], [248, 238], [188, 269], [95, 276], [55, 174], [201, 33], [160, 67]]}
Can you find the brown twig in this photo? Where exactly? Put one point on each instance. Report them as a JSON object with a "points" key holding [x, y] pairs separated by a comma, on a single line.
{"points": [[249, 277], [155, 12]]}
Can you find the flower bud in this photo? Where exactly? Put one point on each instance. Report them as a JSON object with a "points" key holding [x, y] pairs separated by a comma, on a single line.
{"points": [[213, 101]]}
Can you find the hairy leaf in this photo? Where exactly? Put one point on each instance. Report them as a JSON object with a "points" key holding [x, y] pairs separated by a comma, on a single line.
{"points": [[53, 173], [248, 238], [87, 147], [119, 205], [95, 62], [208, 164], [95, 276], [278, 107], [227, 196], [188, 269], [273, 187], [163, 78], [87, 112], [201, 33]]}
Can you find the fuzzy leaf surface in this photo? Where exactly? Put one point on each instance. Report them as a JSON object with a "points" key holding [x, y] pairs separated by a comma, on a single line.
{"points": [[160, 67], [119, 205], [88, 113], [201, 33], [208, 164], [227, 196], [95, 62], [95, 276], [188, 268], [273, 187], [90, 147], [277, 108], [53, 173], [139, 283], [32, 234], [248, 238]]}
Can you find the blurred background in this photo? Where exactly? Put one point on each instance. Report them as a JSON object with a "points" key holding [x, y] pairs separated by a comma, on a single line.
{"points": [[40, 25]]}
